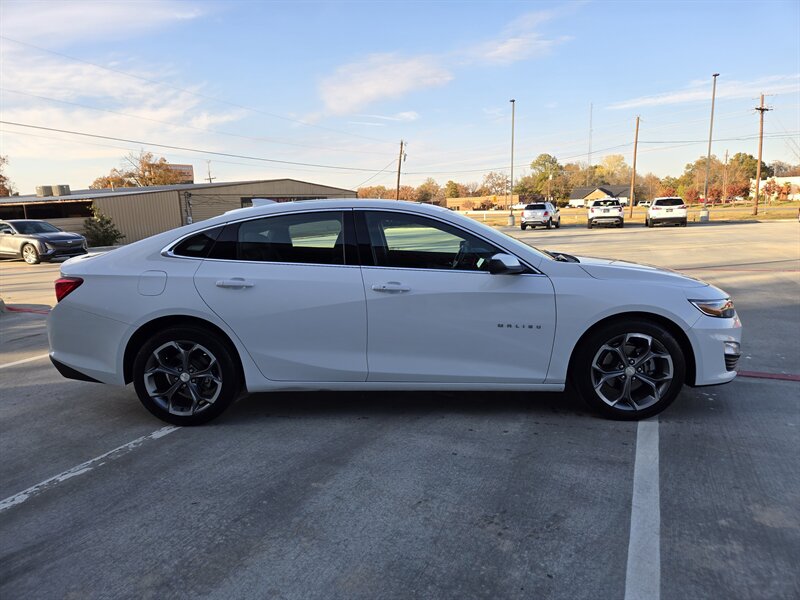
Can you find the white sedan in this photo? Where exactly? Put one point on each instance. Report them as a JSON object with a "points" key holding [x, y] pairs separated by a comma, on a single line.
{"points": [[380, 295]]}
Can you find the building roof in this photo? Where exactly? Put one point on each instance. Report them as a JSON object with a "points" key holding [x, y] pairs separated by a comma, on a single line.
{"points": [[78, 195], [614, 191]]}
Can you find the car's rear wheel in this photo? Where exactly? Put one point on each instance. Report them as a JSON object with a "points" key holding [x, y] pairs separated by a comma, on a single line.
{"points": [[629, 370], [30, 254], [186, 375], [649, 222], [523, 226], [558, 223], [588, 224], [549, 223]]}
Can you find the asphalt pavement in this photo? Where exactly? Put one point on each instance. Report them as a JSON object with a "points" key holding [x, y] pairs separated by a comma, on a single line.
{"points": [[418, 495]]}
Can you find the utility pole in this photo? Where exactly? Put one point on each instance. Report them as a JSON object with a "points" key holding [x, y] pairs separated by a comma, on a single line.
{"points": [[399, 162], [725, 179], [710, 130], [589, 156], [761, 109], [209, 178], [511, 195], [633, 172]]}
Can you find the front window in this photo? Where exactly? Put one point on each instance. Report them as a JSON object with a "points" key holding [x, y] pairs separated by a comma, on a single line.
{"points": [[412, 241], [28, 227]]}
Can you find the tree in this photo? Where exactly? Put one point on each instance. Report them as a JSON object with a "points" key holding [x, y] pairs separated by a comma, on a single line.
{"points": [[5, 184], [771, 188], [140, 170], [745, 166], [429, 191], [375, 191], [613, 170], [496, 183], [648, 187], [100, 230], [451, 190]]}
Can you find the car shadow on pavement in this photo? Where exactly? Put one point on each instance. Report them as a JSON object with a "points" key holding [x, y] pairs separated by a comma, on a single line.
{"points": [[389, 404]]}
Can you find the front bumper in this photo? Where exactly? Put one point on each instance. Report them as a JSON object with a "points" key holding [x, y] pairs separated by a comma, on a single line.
{"points": [[56, 252], [716, 344]]}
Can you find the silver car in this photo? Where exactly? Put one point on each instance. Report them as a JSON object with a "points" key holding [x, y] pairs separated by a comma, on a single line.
{"points": [[36, 241], [540, 213]]}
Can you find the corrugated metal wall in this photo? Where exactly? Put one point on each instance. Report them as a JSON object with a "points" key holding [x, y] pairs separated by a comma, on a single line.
{"points": [[211, 202], [142, 215], [73, 225]]}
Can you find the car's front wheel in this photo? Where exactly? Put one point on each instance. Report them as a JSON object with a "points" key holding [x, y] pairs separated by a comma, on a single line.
{"points": [[186, 375], [523, 226], [30, 254], [629, 370]]}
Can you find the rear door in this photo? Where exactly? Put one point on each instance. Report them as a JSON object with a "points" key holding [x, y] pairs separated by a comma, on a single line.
{"points": [[291, 289], [7, 241], [435, 313]]}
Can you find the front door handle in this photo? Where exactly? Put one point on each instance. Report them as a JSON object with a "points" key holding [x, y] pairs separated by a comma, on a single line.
{"points": [[390, 286], [235, 283]]}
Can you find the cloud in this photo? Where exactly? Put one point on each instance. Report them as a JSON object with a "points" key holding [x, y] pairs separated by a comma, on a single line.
{"points": [[57, 22], [700, 91], [379, 77], [406, 116]]}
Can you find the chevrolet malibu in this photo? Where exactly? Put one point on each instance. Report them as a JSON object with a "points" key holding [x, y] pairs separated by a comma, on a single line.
{"points": [[380, 295]]}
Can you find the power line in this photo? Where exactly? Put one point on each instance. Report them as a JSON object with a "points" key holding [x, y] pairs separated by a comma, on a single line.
{"points": [[171, 124], [383, 170], [186, 91], [184, 148]]}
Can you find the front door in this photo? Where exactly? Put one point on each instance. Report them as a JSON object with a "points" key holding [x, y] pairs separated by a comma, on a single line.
{"points": [[287, 286], [436, 314]]}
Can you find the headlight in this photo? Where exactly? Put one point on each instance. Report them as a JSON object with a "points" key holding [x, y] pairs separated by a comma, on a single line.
{"points": [[716, 308]]}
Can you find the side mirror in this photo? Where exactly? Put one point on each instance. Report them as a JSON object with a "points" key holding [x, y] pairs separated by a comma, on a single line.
{"points": [[505, 264]]}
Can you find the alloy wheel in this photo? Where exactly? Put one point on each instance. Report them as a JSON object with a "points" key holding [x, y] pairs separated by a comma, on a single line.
{"points": [[632, 371], [183, 377]]}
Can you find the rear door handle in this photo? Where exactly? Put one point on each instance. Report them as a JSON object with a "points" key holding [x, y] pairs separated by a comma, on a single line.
{"points": [[235, 283], [390, 286]]}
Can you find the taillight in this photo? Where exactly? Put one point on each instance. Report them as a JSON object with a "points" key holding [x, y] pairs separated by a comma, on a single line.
{"points": [[682, 206], [546, 213], [591, 209], [65, 286], [656, 207]]}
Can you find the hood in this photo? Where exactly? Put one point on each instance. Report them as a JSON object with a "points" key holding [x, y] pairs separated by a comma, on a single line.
{"points": [[54, 236], [603, 268]]}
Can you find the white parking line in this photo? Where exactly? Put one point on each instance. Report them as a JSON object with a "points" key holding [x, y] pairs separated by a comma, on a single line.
{"points": [[643, 575], [23, 361], [82, 468]]}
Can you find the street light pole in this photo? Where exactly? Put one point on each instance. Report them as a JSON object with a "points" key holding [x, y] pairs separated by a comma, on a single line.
{"points": [[710, 130], [511, 194]]}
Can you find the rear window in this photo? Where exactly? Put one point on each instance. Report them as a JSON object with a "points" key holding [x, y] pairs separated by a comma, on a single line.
{"points": [[606, 203], [669, 202], [535, 207]]}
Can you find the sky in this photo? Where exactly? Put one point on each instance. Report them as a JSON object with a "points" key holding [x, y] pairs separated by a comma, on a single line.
{"points": [[325, 91]]}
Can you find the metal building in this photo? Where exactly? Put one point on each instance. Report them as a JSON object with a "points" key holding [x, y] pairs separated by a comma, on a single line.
{"points": [[142, 212]]}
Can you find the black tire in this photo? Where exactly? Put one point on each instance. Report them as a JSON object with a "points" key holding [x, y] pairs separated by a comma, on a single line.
{"points": [[523, 226], [549, 223], [683, 223], [597, 356], [30, 254], [649, 222], [621, 224], [206, 353], [588, 224], [558, 223]]}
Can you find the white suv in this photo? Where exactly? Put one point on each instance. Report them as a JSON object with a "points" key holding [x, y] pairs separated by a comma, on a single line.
{"points": [[670, 209], [605, 211], [540, 213]]}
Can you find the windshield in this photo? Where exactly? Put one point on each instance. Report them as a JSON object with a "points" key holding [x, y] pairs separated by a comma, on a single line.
{"points": [[669, 202], [606, 203], [535, 207], [28, 227]]}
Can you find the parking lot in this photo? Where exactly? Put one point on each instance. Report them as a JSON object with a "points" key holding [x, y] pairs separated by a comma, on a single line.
{"points": [[418, 495]]}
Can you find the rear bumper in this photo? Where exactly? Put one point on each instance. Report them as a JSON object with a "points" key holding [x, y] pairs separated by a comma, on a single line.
{"points": [[71, 373], [606, 220], [670, 219]]}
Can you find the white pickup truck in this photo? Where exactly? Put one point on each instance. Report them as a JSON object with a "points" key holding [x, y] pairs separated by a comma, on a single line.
{"points": [[605, 211]]}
